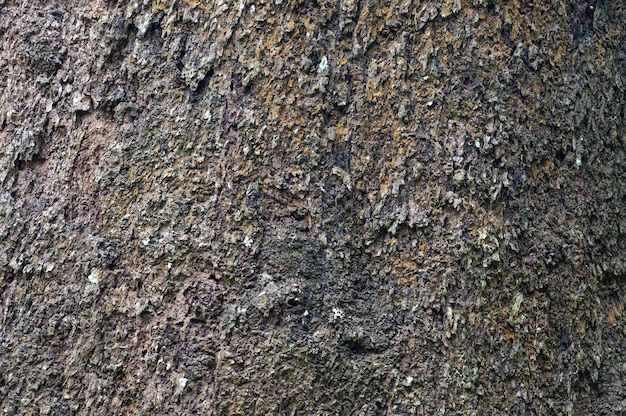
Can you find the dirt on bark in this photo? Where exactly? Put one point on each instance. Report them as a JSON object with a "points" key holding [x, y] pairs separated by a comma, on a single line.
{"points": [[284, 207]]}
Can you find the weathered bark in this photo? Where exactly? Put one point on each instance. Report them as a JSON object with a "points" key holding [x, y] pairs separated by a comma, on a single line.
{"points": [[313, 208]]}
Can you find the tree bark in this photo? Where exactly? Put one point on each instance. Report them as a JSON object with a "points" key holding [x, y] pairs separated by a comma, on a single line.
{"points": [[312, 207]]}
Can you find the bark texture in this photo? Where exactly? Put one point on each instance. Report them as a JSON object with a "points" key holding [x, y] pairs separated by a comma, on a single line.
{"points": [[282, 207]]}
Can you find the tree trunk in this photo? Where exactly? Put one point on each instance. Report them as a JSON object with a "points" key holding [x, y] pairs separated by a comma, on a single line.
{"points": [[313, 207]]}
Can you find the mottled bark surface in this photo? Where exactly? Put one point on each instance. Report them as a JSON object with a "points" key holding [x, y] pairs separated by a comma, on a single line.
{"points": [[312, 208]]}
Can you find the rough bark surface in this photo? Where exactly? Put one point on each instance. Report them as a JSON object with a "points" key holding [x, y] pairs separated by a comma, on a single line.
{"points": [[372, 207]]}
